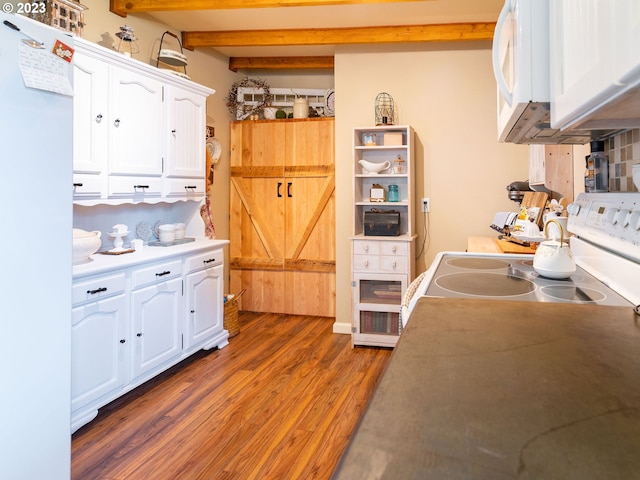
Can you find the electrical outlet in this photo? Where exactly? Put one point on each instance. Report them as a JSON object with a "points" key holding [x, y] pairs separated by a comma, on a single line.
{"points": [[426, 205]]}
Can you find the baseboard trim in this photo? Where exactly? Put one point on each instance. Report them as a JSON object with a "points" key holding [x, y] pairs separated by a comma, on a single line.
{"points": [[344, 328]]}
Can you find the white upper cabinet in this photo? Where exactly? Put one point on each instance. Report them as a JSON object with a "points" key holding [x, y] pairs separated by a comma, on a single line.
{"points": [[90, 111], [139, 132], [185, 133], [185, 153], [89, 114], [627, 51], [135, 145], [581, 57], [595, 64]]}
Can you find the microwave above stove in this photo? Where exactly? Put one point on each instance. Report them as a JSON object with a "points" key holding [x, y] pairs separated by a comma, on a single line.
{"points": [[521, 59]]}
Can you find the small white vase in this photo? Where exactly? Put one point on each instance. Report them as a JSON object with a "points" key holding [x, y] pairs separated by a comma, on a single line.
{"points": [[269, 113]]}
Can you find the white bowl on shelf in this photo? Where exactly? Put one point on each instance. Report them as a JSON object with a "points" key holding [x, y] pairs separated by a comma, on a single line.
{"points": [[375, 168]]}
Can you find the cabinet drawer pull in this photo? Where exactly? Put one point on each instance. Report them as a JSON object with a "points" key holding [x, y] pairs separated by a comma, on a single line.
{"points": [[278, 191], [139, 334], [166, 272], [173, 131], [135, 187], [193, 311], [366, 263], [209, 260], [190, 187], [289, 189], [98, 118], [76, 185], [97, 290]]}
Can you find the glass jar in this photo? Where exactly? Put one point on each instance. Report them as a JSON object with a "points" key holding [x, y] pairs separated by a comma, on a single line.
{"points": [[398, 165], [393, 195]]}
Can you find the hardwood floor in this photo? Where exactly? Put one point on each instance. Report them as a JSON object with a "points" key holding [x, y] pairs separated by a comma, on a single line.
{"points": [[279, 402]]}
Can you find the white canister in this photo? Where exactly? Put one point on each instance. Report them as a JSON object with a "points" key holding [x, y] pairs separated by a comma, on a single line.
{"points": [[300, 108], [166, 233], [180, 230]]}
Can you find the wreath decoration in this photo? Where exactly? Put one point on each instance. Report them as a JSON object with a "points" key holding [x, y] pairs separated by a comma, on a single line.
{"points": [[232, 98]]}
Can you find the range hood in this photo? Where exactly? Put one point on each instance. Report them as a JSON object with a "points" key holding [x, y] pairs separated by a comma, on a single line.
{"points": [[533, 126]]}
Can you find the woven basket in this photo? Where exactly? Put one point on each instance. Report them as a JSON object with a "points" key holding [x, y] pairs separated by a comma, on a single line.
{"points": [[231, 323]]}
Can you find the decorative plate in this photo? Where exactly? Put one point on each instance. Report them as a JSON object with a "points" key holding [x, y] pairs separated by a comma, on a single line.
{"points": [[215, 150], [143, 232], [330, 103]]}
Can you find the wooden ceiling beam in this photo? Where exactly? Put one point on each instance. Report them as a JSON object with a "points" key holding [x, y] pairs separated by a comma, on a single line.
{"points": [[280, 63], [340, 36], [124, 7]]}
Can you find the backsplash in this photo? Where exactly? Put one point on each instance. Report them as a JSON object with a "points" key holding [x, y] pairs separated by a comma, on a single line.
{"points": [[623, 151]]}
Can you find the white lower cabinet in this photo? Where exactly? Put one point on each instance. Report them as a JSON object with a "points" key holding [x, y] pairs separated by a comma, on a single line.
{"points": [[156, 325], [99, 345], [132, 324], [204, 288], [382, 270]]}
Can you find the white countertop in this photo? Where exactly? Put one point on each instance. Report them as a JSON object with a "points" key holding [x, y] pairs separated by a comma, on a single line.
{"points": [[101, 263]]}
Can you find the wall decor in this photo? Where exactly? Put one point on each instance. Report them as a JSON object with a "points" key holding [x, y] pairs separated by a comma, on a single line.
{"points": [[241, 109]]}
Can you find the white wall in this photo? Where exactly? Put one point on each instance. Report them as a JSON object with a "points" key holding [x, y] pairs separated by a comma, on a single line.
{"points": [[448, 95]]}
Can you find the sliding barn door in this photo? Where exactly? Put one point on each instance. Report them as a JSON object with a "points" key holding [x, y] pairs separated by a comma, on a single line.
{"points": [[282, 207]]}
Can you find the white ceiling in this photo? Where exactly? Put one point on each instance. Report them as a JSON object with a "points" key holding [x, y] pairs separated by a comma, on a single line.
{"points": [[372, 14]]}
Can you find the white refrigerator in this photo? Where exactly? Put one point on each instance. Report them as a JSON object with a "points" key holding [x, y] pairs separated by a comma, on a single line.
{"points": [[35, 249]]}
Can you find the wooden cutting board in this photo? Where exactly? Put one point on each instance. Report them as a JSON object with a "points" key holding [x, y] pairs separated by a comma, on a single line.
{"points": [[535, 199]]}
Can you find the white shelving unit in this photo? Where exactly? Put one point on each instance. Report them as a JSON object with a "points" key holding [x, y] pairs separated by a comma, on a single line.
{"points": [[381, 266]]}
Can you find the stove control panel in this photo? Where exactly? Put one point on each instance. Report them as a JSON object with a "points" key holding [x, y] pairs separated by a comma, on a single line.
{"points": [[608, 220]]}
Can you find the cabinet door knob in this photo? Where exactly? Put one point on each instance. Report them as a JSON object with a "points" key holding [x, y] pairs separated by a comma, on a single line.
{"points": [[193, 311], [123, 341], [117, 122], [139, 334], [393, 264], [173, 131], [393, 249], [366, 263], [98, 118], [366, 248]]}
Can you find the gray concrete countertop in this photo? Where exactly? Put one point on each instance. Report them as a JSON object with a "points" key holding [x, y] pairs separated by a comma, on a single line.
{"points": [[484, 389]]}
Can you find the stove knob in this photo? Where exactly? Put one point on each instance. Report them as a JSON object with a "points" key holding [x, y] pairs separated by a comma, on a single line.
{"points": [[573, 209], [610, 215], [623, 217], [634, 220]]}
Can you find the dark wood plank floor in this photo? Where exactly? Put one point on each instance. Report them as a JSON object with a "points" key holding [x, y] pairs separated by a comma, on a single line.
{"points": [[280, 402]]}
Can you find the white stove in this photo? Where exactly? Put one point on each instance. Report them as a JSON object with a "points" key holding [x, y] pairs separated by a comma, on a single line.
{"points": [[605, 245]]}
